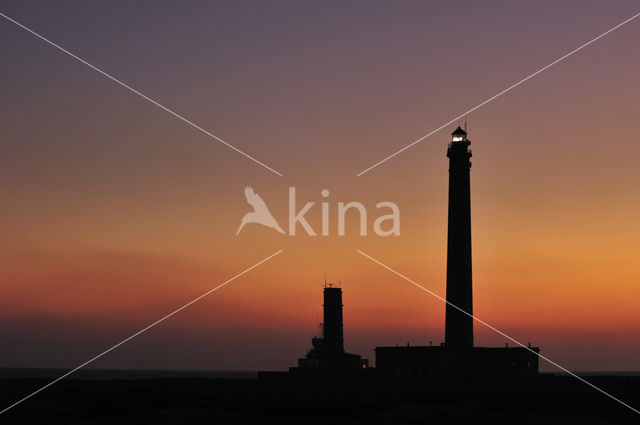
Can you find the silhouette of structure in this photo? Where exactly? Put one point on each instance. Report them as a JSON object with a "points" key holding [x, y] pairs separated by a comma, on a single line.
{"points": [[458, 331], [457, 356], [475, 362], [327, 353]]}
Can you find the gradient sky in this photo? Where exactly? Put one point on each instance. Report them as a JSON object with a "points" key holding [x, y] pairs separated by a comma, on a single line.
{"points": [[114, 213]]}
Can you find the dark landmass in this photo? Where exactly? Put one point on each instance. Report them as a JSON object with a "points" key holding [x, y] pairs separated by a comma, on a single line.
{"points": [[280, 399]]}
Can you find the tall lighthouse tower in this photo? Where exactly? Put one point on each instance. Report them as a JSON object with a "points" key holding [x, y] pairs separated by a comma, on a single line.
{"points": [[458, 326], [458, 357]]}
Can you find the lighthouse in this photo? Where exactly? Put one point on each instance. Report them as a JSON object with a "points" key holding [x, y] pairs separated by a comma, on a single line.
{"points": [[332, 327], [327, 354], [459, 326], [457, 357]]}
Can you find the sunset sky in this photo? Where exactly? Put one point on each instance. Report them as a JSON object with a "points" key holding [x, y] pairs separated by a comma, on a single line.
{"points": [[114, 212]]}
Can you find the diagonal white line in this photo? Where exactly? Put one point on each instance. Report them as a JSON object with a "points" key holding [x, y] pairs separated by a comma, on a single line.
{"points": [[499, 94], [139, 332], [197, 127], [498, 331]]}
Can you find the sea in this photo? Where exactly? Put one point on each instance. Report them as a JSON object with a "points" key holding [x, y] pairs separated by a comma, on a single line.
{"points": [[112, 374]]}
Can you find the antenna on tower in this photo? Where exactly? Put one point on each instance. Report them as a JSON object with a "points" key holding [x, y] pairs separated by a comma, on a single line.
{"points": [[325, 279]]}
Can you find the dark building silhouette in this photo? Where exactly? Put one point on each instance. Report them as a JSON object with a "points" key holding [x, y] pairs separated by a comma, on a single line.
{"points": [[332, 327], [476, 362], [327, 352], [457, 356], [458, 331]]}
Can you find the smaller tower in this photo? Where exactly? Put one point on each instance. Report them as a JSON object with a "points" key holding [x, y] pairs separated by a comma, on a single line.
{"points": [[332, 328], [327, 353]]}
